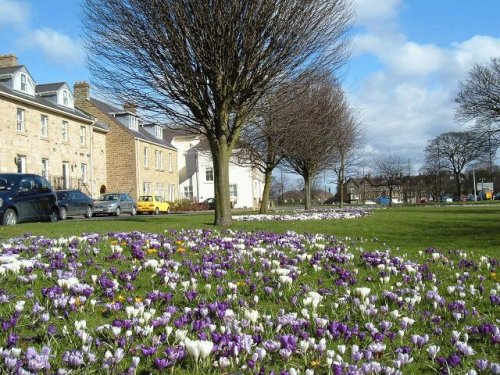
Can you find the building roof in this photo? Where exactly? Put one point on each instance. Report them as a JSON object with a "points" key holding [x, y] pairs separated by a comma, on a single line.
{"points": [[38, 100], [49, 87], [141, 133], [10, 69]]}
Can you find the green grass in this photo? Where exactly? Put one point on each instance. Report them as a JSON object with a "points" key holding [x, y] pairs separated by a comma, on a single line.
{"points": [[466, 227]]}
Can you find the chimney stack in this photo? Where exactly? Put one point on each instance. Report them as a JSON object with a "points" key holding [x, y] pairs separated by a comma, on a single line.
{"points": [[7, 61], [130, 107], [81, 91]]}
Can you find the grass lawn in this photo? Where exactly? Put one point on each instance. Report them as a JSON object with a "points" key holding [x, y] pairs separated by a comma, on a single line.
{"points": [[470, 228]]}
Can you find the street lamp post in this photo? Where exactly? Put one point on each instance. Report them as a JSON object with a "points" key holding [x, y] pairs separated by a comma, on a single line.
{"points": [[482, 187]]}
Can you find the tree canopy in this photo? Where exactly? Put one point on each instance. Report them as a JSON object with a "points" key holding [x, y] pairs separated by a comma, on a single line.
{"points": [[479, 96], [204, 65]]}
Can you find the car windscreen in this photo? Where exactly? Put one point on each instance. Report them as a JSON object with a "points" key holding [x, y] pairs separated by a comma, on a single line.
{"points": [[146, 198], [61, 195], [109, 197]]}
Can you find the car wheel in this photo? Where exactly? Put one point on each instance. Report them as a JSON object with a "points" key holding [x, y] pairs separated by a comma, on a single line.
{"points": [[133, 212], [10, 217], [157, 211], [53, 215], [118, 211], [88, 213], [63, 213]]}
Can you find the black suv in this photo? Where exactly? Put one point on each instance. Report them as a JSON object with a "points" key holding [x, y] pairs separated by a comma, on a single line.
{"points": [[26, 197], [74, 202]]}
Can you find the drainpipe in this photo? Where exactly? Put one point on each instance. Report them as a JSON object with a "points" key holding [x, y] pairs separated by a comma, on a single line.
{"points": [[197, 173], [92, 158]]}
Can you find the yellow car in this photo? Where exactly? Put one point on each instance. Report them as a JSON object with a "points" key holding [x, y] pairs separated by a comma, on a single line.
{"points": [[152, 204]]}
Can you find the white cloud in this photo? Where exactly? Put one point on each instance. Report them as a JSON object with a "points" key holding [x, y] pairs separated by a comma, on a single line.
{"points": [[56, 47], [411, 99], [370, 11], [14, 13]]}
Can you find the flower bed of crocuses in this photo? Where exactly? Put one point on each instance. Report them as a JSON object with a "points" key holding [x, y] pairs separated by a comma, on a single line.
{"points": [[202, 301], [300, 215]]}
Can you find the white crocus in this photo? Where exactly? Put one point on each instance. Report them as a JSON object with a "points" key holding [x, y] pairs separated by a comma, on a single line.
{"points": [[363, 292]]}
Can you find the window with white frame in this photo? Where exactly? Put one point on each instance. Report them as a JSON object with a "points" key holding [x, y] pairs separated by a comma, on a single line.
{"points": [[233, 190], [171, 192], [20, 120], [188, 192], [44, 125], [83, 135], [158, 132], [209, 174], [24, 84], [65, 131], [133, 123], [146, 157], [45, 168], [170, 163], [158, 160], [84, 172], [159, 190], [65, 98], [147, 187]]}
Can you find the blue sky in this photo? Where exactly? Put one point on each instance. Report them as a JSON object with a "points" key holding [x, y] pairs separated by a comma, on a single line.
{"points": [[407, 59]]}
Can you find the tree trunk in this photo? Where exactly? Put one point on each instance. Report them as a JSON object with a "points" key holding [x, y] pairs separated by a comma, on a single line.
{"points": [[458, 184], [390, 197], [264, 206], [307, 192], [341, 181], [221, 154]]}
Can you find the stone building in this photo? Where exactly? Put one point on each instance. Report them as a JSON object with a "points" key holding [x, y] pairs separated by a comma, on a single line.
{"points": [[139, 160], [42, 132]]}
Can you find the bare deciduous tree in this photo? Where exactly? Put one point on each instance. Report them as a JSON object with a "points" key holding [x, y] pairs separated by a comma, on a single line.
{"points": [[263, 139], [453, 151], [206, 64], [479, 97], [314, 120], [389, 167], [347, 143]]}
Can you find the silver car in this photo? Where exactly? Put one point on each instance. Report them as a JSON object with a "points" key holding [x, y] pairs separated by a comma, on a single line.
{"points": [[114, 204]]}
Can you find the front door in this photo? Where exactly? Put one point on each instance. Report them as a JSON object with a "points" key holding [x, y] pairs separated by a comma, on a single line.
{"points": [[65, 173]]}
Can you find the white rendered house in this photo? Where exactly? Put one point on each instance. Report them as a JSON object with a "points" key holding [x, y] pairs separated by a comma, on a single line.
{"points": [[196, 173]]}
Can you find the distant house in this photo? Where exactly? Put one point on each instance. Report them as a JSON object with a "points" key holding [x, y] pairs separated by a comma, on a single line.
{"points": [[140, 161], [297, 196], [42, 132], [196, 173]]}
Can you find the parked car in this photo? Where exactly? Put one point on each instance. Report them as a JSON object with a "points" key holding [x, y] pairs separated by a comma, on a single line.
{"points": [[210, 202], [26, 197], [73, 203], [152, 204], [114, 204]]}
